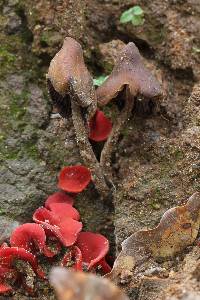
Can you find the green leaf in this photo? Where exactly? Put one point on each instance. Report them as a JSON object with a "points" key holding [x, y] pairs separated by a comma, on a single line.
{"points": [[99, 80], [138, 11], [134, 14], [137, 20], [126, 16]]}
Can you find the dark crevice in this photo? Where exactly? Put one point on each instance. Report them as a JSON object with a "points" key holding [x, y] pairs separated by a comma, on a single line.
{"points": [[184, 74], [26, 33]]}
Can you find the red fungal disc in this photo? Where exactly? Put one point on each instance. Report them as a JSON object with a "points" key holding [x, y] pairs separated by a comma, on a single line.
{"points": [[65, 230], [68, 231], [4, 245], [59, 197], [94, 248], [100, 127], [63, 210], [74, 179], [6, 275], [9, 254], [31, 237], [73, 255], [105, 266], [28, 236], [43, 215], [4, 288]]}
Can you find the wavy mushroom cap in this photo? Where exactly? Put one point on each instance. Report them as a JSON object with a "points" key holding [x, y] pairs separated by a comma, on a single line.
{"points": [[65, 229], [59, 197], [64, 210], [93, 247], [28, 236], [9, 254], [130, 71]]}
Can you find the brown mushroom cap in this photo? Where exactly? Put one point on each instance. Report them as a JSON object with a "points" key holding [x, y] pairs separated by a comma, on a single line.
{"points": [[68, 69], [129, 70]]}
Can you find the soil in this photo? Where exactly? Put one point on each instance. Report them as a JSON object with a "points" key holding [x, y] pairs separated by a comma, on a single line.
{"points": [[157, 161]]}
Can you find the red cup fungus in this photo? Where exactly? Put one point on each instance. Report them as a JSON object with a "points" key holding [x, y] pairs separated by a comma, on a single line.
{"points": [[59, 197], [31, 237], [73, 255], [66, 230], [57, 223], [7, 275], [8, 256], [100, 127], [74, 179], [64, 210], [94, 248]]}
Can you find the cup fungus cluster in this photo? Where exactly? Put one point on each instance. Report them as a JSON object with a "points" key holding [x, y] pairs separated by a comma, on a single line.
{"points": [[72, 92], [56, 225]]}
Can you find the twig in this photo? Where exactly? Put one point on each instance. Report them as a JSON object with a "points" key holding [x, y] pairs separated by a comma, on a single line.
{"points": [[106, 154]]}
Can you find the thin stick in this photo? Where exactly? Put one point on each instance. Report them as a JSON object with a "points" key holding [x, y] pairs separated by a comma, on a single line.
{"points": [[86, 150], [106, 154]]}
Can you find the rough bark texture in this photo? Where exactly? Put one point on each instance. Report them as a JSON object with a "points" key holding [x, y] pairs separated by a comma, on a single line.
{"points": [[156, 164]]}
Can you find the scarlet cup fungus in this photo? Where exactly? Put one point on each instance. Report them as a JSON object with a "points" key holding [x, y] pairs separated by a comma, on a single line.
{"points": [[8, 256], [63, 210], [74, 179], [94, 248], [100, 127], [59, 197], [7, 275], [66, 230], [73, 255], [31, 237]]}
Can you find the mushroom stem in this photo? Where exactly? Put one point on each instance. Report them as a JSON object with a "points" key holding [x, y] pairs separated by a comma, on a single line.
{"points": [[106, 154], [86, 151]]}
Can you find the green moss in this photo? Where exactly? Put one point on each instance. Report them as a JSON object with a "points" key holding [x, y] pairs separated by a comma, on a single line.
{"points": [[6, 153], [178, 154], [158, 192], [6, 56], [155, 205], [49, 38], [30, 149], [2, 212], [56, 156]]}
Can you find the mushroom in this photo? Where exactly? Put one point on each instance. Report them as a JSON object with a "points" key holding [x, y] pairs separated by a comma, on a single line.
{"points": [[73, 255], [100, 127], [8, 256], [59, 197], [31, 237], [65, 230], [94, 248], [70, 86], [7, 275], [64, 210], [74, 179], [131, 77]]}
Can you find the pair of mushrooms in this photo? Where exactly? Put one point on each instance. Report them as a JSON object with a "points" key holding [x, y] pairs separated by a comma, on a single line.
{"points": [[72, 91]]}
